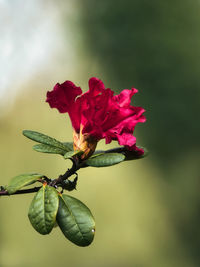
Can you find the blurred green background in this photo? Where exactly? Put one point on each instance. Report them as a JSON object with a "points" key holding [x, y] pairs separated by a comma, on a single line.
{"points": [[148, 211]]}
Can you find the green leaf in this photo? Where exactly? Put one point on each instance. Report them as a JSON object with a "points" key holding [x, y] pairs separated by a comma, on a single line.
{"points": [[105, 160], [22, 180], [98, 152], [71, 154], [96, 155], [75, 221], [43, 209], [44, 139], [49, 149], [68, 145]]}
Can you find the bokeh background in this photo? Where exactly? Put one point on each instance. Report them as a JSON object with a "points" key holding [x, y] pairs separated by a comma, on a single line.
{"points": [[148, 211]]}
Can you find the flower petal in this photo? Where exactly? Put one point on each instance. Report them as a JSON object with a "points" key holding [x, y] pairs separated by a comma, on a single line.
{"points": [[137, 150], [63, 98], [124, 98], [96, 86], [98, 113], [126, 139]]}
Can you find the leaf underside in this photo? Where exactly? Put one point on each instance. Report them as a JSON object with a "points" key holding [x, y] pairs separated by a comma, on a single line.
{"points": [[45, 139], [22, 180], [49, 149], [105, 160], [71, 154], [68, 145]]}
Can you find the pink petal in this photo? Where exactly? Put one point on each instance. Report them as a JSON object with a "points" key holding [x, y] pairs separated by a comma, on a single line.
{"points": [[63, 98], [126, 139], [96, 86], [124, 98], [139, 151]]}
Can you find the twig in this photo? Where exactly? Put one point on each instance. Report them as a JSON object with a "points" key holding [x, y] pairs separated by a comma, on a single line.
{"points": [[19, 192], [75, 166], [56, 182]]}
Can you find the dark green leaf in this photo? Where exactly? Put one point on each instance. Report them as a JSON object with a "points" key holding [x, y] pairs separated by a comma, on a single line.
{"points": [[99, 152], [132, 155], [129, 155], [44, 139], [68, 145], [96, 155], [75, 221], [22, 180], [48, 149], [43, 209], [71, 154], [105, 160], [70, 185]]}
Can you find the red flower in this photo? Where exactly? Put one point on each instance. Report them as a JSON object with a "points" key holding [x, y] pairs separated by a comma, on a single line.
{"points": [[98, 114]]}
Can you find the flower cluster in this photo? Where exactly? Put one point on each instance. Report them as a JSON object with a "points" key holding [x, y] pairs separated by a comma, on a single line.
{"points": [[98, 114]]}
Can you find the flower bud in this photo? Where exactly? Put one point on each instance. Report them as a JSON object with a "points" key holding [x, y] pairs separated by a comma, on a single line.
{"points": [[85, 143]]}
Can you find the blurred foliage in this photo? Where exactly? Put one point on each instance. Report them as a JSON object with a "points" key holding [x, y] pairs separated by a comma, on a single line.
{"points": [[153, 46], [147, 211]]}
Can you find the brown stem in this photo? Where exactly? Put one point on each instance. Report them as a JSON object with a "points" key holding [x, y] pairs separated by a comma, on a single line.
{"points": [[19, 192], [75, 167], [59, 181]]}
